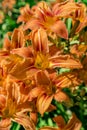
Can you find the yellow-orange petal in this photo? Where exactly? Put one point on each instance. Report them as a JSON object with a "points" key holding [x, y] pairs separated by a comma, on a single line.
{"points": [[61, 97], [5, 124], [43, 102], [49, 128], [25, 121]]}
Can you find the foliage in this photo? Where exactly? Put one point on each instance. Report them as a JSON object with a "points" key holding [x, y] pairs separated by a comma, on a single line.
{"points": [[43, 65]]}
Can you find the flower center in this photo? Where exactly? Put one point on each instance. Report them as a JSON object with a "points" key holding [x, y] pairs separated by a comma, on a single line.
{"points": [[41, 61], [49, 22]]}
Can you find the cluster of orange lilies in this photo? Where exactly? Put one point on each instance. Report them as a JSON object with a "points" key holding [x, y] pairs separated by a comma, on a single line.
{"points": [[29, 60]]}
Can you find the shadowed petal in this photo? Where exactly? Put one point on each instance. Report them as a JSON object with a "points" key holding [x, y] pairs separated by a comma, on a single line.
{"points": [[60, 121], [73, 124], [42, 78]]}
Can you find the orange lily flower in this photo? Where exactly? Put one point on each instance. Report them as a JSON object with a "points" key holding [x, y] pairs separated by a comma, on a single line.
{"points": [[46, 19], [14, 106], [49, 86], [41, 55], [26, 14], [6, 6], [70, 9], [73, 124]]}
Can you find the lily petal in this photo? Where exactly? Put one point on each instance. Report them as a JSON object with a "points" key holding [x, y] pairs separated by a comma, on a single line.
{"points": [[5, 124], [73, 124], [48, 128], [40, 41], [65, 62], [43, 102], [60, 29], [60, 121], [25, 121], [61, 97]]}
